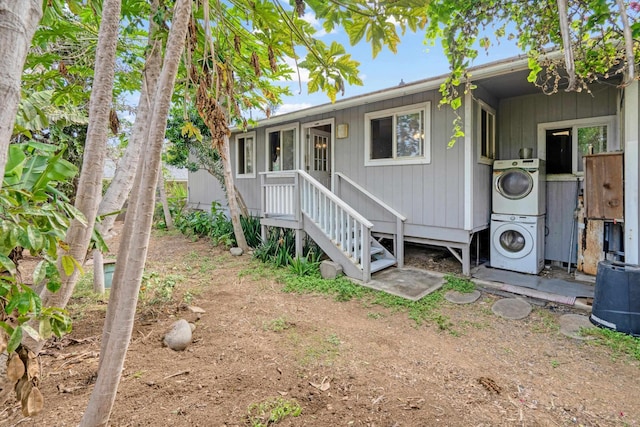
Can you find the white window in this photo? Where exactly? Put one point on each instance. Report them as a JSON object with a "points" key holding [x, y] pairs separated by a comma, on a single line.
{"points": [[563, 144], [246, 155], [486, 133], [398, 135], [281, 148]]}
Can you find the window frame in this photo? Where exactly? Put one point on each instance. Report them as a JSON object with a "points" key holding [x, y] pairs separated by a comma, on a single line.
{"points": [[613, 143], [246, 135], [295, 127], [425, 108], [483, 106]]}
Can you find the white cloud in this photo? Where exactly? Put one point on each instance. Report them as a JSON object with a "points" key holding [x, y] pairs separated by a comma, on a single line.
{"points": [[289, 108], [311, 19], [304, 73]]}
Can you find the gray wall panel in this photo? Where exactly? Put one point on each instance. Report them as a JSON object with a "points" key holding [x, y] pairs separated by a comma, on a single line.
{"points": [[561, 204], [204, 189], [431, 195], [517, 121]]}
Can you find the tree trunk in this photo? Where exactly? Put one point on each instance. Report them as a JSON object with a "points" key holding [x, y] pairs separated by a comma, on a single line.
{"points": [[122, 182], [162, 193], [232, 199], [565, 31], [135, 242], [89, 190], [98, 272], [18, 23], [120, 187]]}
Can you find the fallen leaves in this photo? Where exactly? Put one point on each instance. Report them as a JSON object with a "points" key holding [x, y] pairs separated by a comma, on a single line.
{"points": [[324, 385]]}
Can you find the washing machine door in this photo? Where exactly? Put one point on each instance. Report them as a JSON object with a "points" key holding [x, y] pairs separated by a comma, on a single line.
{"points": [[512, 240], [514, 184]]}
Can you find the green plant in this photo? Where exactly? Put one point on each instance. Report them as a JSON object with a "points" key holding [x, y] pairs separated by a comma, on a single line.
{"points": [[158, 290], [617, 342], [34, 216], [555, 363], [278, 248], [251, 227], [272, 411], [459, 284], [302, 266], [278, 325], [334, 340]]}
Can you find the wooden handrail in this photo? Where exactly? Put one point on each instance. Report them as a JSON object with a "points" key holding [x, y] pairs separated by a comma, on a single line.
{"points": [[352, 212], [372, 197]]}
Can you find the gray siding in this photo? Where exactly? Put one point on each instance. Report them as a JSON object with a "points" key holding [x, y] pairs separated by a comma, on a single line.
{"points": [[427, 194], [517, 122], [204, 189], [431, 196], [561, 228], [518, 117]]}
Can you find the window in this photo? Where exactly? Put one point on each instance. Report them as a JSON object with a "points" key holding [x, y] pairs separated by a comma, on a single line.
{"points": [[563, 144], [398, 135], [246, 155], [487, 133], [281, 149]]}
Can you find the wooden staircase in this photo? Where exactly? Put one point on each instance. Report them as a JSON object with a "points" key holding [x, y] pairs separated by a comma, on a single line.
{"points": [[340, 231]]}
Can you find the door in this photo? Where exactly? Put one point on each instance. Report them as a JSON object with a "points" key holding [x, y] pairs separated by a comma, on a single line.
{"points": [[514, 184], [512, 240], [318, 154]]}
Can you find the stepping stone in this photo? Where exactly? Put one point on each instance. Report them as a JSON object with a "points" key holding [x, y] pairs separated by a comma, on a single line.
{"points": [[511, 308], [571, 324], [462, 298]]}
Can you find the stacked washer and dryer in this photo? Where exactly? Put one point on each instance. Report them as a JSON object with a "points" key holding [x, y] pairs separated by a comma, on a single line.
{"points": [[518, 218]]}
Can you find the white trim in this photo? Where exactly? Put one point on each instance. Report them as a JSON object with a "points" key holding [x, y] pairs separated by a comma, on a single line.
{"points": [[304, 144], [612, 136], [425, 108], [296, 144], [468, 162], [631, 181], [489, 109], [253, 155]]}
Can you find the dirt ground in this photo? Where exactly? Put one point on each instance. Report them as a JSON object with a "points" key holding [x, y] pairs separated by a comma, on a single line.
{"points": [[344, 363]]}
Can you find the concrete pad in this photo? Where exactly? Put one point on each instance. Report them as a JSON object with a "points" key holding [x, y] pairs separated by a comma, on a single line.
{"points": [[571, 324], [462, 298], [408, 283], [511, 308]]}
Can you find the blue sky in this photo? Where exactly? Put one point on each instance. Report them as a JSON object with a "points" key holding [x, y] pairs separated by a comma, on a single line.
{"points": [[413, 61]]}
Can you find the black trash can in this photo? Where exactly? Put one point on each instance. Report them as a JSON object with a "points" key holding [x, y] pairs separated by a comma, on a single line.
{"points": [[616, 303]]}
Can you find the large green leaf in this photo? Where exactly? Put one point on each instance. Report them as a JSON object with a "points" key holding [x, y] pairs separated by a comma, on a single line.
{"points": [[14, 340], [8, 265]]}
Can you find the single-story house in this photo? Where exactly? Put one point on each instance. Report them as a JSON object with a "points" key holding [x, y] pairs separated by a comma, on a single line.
{"points": [[379, 165]]}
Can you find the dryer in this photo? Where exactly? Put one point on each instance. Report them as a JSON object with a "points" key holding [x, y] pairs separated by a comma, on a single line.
{"points": [[517, 242], [519, 187]]}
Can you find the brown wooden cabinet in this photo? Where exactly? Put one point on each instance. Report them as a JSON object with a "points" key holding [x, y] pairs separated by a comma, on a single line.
{"points": [[604, 186]]}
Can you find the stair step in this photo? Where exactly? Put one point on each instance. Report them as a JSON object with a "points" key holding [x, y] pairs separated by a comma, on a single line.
{"points": [[381, 264], [376, 250]]}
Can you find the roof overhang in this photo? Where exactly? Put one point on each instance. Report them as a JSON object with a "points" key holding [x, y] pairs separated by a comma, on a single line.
{"points": [[516, 67]]}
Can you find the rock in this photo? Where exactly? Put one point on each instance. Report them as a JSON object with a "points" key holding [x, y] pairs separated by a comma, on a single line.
{"points": [[179, 337], [196, 309], [236, 251], [330, 269]]}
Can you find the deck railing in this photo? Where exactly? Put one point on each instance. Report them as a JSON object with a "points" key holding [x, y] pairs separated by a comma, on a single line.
{"points": [[280, 194], [344, 226], [398, 249]]}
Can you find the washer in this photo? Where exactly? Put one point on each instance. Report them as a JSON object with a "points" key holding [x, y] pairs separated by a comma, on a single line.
{"points": [[517, 242], [519, 187]]}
